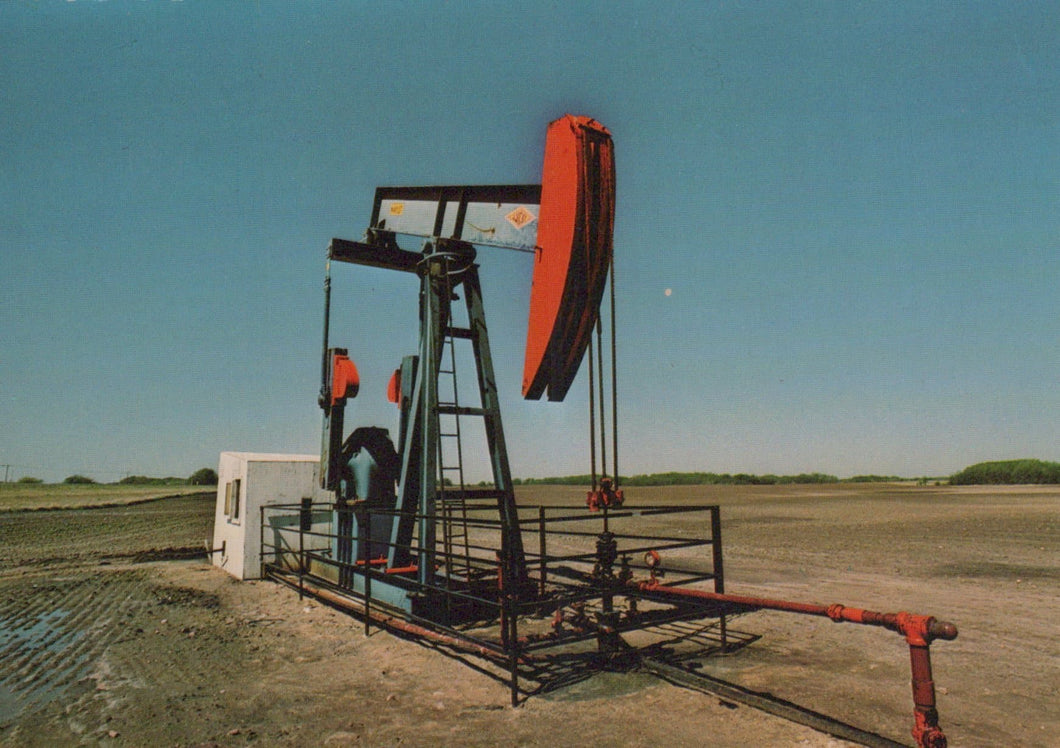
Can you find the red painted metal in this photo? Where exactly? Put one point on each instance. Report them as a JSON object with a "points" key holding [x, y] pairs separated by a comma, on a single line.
{"points": [[345, 381], [393, 387], [606, 496], [574, 248], [390, 570], [919, 631]]}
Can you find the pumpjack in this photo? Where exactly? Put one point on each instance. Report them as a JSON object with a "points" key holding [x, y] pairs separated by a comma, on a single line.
{"points": [[568, 219], [409, 545]]}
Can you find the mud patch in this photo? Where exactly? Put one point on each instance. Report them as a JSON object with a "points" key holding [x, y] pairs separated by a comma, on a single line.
{"points": [[186, 597], [603, 685], [30, 643], [52, 632], [9, 705]]}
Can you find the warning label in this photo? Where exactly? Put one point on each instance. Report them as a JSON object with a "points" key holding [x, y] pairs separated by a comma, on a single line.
{"points": [[396, 209], [520, 217]]}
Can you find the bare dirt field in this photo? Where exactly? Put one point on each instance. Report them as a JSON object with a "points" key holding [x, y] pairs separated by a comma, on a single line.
{"points": [[106, 639]]}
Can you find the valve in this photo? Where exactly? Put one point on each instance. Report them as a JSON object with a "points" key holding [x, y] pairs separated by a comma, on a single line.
{"points": [[653, 561], [606, 555], [607, 496], [576, 618]]}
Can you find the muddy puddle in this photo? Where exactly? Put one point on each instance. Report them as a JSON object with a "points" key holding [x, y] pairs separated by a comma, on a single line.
{"points": [[28, 647]]}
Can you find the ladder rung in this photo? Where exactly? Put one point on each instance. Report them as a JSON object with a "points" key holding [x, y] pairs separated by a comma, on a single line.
{"points": [[460, 410], [452, 493]]}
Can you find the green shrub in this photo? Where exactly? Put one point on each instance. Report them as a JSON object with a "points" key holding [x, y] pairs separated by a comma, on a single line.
{"points": [[203, 477], [1008, 472], [29, 479], [140, 480], [79, 479]]}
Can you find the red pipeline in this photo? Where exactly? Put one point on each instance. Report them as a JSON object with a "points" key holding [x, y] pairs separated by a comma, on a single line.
{"points": [[919, 631]]}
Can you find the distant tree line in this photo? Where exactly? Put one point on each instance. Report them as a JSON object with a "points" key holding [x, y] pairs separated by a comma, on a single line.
{"points": [[1008, 472], [1004, 472], [877, 479], [201, 477], [145, 480], [690, 479]]}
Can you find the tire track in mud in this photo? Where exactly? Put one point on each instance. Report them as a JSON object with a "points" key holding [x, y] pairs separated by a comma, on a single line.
{"points": [[68, 594], [51, 640]]}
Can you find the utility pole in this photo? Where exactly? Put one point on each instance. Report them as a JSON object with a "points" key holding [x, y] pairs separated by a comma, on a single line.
{"points": [[7, 471]]}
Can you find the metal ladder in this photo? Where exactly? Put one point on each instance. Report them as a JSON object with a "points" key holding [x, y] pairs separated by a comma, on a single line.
{"points": [[452, 491], [455, 507]]}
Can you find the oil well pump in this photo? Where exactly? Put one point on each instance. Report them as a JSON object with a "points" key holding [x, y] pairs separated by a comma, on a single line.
{"points": [[406, 543], [568, 222]]}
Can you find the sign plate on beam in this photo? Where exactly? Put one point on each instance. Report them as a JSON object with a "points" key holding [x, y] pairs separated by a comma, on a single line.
{"points": [[496, 215]]}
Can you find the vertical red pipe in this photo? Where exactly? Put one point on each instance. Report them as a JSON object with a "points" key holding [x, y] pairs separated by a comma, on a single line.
{"points": [[926, 730]]}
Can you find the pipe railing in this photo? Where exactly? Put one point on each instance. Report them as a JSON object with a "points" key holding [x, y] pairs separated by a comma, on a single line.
{"points": [[568, 577]]}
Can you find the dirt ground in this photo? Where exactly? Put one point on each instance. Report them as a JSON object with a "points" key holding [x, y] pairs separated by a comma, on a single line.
{"points": [[101, 642]]}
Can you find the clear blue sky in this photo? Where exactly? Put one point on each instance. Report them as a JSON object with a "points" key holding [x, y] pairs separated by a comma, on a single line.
{"points": [[856, 207]]}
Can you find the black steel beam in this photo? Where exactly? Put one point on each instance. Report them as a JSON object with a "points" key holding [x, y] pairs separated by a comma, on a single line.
{"points": [[387, 257]]}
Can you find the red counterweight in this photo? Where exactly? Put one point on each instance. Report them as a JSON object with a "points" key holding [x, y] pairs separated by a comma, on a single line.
{"points": [[345, 381], [573, 254]]}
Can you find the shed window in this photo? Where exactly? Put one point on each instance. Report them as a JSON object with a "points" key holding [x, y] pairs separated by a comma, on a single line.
{"points": [[232, 500]]}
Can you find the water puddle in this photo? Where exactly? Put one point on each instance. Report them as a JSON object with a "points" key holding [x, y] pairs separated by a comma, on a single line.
{"points": [[9, 704], [37, 665]]}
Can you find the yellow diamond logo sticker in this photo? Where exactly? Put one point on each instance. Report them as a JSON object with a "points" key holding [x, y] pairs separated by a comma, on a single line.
{"points": [[520, 217], [396, 209]]}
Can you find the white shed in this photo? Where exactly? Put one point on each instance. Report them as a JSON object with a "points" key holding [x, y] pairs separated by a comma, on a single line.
{"points": [[247, 481]]}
